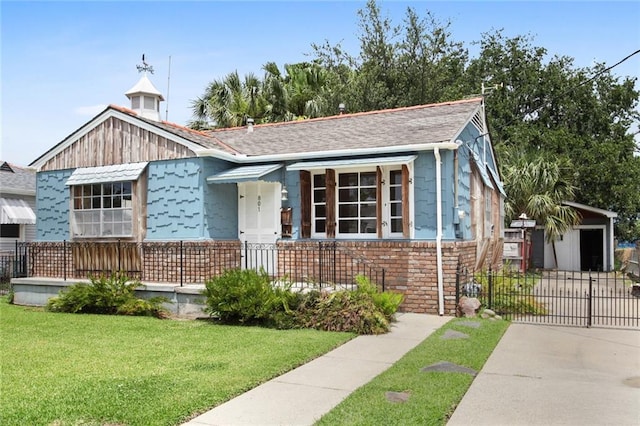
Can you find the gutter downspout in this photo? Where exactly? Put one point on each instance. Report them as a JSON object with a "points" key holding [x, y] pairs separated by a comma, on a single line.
{"points": [[436, 153]]}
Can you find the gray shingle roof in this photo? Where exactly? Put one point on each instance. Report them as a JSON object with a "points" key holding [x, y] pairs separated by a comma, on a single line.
{"points": [[403, 126], [20, 180]]}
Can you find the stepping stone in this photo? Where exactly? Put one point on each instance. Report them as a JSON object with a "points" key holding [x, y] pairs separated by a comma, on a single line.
{"points": [[449, 367], [452, 334], [397, 396], [470, 324]]}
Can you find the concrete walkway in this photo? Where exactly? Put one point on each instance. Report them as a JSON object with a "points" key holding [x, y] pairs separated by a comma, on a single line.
{"points": [[542, 375], [303, 395]]}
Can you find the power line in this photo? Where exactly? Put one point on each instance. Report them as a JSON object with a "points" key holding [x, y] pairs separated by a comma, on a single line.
{"points": [[596, 75]]}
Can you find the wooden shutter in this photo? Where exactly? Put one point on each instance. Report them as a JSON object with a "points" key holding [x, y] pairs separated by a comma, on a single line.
{"points": [[305, 204], [405, 201], [330, 183], [379, 202]]}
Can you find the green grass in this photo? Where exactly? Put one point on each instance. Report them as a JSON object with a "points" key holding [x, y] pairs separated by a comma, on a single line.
{"points": [[71, 369], [433, 395]]}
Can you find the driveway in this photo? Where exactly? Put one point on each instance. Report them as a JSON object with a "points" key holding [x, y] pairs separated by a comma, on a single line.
{"points": [[548, 375]]}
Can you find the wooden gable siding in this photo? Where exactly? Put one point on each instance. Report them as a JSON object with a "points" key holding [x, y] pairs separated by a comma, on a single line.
{"points": [[115, 141]]}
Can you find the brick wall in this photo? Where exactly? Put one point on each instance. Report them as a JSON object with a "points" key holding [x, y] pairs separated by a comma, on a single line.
{"points": [[410, 267]]}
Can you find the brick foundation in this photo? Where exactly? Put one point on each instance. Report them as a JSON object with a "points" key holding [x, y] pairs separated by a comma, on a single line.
{"points": [[410, 267]]}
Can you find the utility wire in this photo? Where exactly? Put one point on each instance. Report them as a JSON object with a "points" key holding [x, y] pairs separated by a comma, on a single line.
{"points": [[596, 75]]}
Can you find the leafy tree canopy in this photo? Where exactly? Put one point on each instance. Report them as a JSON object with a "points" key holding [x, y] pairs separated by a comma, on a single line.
{"points": [[539, 107]]}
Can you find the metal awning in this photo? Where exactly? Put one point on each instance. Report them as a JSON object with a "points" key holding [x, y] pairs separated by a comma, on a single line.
{"points": [[243, 174], [355, 162], [16, 211], [104, 174]]}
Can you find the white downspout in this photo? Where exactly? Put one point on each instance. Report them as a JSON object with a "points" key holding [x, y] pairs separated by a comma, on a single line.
{"points": [[436, 153]]}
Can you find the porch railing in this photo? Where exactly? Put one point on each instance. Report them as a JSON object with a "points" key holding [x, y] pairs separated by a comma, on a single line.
{"points": [[306, 264]]}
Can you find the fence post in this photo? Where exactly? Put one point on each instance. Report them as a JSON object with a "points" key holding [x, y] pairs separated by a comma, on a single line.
{"points": [[383, 276], [490, 283], [119, 256], [64, 260], [246, 255], [320, 264], [181, 264], [458, 283], [589, 300]]}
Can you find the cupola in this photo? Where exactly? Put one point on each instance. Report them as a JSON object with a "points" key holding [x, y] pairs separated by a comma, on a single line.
{"points": [[145, 98]]}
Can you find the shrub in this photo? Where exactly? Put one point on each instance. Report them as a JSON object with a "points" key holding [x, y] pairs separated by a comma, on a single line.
{"points": [[512, 292], [363, 311], [343, 310], [114, 294], [246, 296], [386, 301]]}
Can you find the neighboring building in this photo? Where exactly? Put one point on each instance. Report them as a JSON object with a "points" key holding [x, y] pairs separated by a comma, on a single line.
{"points": [[17, 205], [589, 246], [414, 190]]}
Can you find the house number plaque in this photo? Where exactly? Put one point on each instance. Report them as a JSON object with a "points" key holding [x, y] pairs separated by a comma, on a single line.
{"points": [[259, 202]]}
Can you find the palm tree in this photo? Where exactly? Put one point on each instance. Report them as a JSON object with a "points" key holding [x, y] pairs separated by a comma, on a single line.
{"points": [[230, 101], [537, 186]]}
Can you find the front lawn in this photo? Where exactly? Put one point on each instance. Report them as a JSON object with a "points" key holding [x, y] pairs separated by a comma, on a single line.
{"points": [[71, 369]]}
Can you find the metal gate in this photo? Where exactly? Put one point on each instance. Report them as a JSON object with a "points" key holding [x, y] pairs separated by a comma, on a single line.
{"points": [[581, 299]]}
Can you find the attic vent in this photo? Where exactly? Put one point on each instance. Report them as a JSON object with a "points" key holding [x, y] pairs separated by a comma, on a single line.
{"points": [[478, 121], [6, 167]]}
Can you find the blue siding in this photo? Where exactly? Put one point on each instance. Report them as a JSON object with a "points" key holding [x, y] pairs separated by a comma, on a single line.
{"points": [[182, 206], [52, 205], [424, 191], [293, 187], [221, 203]]}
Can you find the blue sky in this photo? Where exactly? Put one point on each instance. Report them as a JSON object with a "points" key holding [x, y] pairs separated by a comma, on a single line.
{"points": [[63, 62]]}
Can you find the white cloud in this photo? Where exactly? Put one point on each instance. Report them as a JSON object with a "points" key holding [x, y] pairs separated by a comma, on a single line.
{"points": [[90, 110]]}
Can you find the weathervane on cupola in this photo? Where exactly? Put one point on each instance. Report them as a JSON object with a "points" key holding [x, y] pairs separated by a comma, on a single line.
{"points": [[144, 67], [145, 98]]}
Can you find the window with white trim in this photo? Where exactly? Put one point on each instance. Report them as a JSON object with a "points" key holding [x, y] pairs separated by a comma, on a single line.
{"points": [[356, 204], [103, 210], [395, 202], [318, 201]]}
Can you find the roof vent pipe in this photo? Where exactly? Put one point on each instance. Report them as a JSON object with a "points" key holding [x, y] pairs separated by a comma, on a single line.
{"points": [[249, 125]]}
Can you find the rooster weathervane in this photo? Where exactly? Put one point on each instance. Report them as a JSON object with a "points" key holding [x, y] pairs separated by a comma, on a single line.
{"points": [[144, 67]]}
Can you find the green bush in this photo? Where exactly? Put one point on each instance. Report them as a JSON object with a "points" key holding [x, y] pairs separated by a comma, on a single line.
{"points": [[246, 296], [512, 292], [363, 311], [249, 297], [111, 295], [387, 302]]}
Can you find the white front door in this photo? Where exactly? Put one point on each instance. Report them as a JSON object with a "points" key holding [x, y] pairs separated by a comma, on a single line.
{"points": [[259, 224]]}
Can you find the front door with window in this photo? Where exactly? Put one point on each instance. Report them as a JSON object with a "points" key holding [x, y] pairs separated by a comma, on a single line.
{"points": [[259, 224]]}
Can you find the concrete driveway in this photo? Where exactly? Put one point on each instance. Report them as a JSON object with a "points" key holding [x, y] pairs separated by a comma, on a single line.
{"points": [[548, 375]]}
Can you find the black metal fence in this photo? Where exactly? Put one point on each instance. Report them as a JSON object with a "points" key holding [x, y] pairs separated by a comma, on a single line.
{"points": [[307, 264], [12, 265], [582, 299]]}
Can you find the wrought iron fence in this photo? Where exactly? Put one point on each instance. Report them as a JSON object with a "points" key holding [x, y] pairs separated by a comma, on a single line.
{"points": [[583, 299], [306, 264], [12, 265]]}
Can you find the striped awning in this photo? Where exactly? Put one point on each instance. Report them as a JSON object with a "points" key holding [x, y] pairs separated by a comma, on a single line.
{"points": [[16, 211]]}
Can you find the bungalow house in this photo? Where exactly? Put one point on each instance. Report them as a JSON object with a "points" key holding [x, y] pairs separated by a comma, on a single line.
{"points": [[413, 190], [17, 204]]}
